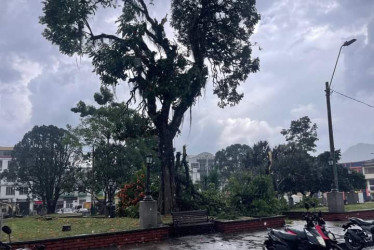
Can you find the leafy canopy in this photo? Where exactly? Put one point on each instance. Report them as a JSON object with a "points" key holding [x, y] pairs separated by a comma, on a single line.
{"points": [[302, 133], [211, 31], [45, 160]]}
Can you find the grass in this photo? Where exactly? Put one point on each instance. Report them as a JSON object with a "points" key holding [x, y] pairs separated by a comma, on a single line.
{"points": [[348, 208], [34, 228], [37, 228]]}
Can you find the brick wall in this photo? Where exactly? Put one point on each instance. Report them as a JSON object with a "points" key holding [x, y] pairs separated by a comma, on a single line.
{"points": [[363, 214], [147, 235], [100, 240], [249, 225]]}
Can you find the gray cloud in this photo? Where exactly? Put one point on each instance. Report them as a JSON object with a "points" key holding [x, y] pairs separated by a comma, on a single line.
{"points": [[299, 40]]}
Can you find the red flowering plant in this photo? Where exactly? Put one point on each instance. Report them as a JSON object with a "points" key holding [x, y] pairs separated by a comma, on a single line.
{"points": [[130, 194]]}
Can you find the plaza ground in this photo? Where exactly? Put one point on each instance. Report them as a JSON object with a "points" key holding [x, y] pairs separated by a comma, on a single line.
{"points": [[240, 241]]}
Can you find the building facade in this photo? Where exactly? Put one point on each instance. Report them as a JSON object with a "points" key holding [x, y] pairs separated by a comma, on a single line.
{"points": [[14, 198], [367, 169], [200, 165]]}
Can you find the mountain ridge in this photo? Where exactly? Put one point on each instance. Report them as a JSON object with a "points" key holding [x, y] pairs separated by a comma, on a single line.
{"points": [[358, 152]]}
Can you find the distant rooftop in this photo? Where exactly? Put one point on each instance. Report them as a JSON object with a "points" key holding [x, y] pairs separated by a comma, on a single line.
{"points": [[6, 148], [203, 155]]}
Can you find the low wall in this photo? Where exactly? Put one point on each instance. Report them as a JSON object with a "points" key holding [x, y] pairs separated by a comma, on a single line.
{"points": [[100, 240], [233, 226], [146, 235], [327, 216]]}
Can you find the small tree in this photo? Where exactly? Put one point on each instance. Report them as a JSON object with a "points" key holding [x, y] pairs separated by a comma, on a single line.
{"points": [[119, 140], [302, 133], [257, 158], [347, 181], [45, 159], [231, 160]]}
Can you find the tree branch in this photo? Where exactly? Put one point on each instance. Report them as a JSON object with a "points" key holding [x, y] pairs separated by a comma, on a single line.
{"points": [[101, 36]]}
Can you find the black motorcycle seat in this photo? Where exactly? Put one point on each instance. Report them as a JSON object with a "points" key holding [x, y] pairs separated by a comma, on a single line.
{"points": [[363, 222], [284, 235]]}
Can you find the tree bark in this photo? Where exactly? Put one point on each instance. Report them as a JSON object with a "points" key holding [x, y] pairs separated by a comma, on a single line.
{"points": [[167, 192]]}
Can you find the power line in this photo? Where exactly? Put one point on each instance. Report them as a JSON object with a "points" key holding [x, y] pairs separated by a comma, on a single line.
{"points": [[371, 106]]}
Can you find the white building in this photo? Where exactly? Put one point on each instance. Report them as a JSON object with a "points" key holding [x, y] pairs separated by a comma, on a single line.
{"points": [[16, 197], [21, 200], [200, 165]]}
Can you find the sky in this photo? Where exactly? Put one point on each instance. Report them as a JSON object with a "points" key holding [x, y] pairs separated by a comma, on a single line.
{"points": [[297, 42]]}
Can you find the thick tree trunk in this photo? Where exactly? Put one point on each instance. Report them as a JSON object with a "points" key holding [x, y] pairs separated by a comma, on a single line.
{"points": [[167, 192]]}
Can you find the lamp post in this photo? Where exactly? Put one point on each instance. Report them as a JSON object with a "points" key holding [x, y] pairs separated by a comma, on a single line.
{"points": [[336, 203], [111, 184], [148, 206], [149, 161], [331, 135]]}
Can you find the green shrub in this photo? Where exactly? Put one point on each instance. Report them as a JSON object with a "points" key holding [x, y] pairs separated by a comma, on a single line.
{"points": [[253, 196], [308, 200], [130, 211], [214, 201]]}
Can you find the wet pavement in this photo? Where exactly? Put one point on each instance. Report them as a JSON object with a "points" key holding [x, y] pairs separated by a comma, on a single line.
{"points": [[239, 241]]}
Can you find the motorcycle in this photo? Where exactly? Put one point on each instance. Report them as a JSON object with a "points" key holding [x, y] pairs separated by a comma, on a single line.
{"points": [[308, 238], [314, 223], [361, 235], [328, 236]]}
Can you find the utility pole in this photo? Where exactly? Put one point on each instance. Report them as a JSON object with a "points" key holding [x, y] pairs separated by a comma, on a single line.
{"points": [[335, 200], [331, 137]]}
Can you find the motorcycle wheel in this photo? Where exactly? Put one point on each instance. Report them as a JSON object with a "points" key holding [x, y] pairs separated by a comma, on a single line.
{"points": [[351, 244], [268, 246]]}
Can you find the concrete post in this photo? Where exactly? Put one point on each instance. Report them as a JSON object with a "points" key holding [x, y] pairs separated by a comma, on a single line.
{"points": [[148, 214], [335, 202]]}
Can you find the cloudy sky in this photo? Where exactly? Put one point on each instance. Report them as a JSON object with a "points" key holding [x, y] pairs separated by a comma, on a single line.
{"points": [[299, 41]]}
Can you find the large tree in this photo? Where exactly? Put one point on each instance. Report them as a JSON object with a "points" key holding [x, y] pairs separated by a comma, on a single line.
{"points": [[212, 40], [45, 159]]}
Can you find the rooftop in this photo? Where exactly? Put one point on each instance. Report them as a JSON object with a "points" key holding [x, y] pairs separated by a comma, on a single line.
{"points": [[6, 148]]}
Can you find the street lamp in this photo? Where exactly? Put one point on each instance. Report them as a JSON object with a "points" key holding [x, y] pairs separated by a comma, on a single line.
{"points": [[149, 161], [331, 135]]}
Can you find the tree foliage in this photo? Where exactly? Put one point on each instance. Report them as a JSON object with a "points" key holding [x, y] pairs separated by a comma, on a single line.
{"points": [[45, 159], [302, 133], [119, 139], [168, 76], [231, 160], [348, 180], [295, 170], [292, 169], [253, 195], [257, 158]]}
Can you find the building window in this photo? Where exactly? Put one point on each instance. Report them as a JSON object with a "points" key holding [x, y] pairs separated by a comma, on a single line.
{"points": [[369, 170], [23, 190], [371, 185], [195, 165], [9, 191], [11, 179], [1, 165]]}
